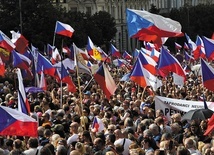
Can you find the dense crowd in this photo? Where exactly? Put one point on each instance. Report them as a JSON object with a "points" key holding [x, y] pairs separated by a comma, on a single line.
{"points": [[132, 125]]}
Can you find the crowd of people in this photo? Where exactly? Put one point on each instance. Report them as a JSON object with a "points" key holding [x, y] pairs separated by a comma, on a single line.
{"points": [[132, 124]]}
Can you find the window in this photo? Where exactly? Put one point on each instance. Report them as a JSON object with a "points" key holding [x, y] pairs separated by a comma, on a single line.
{"points": [[88, 10]]}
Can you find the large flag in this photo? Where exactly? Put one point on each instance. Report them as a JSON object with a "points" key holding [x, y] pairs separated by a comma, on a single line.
{"points": [[105, 80], [209, 47], [23, 104], [92, 50], [15, 123], [168, 63], [20, 42], [64, 29], [115, 52], [151, 26], [143, 77], [20, 61], [207, 75], [148, 63], [2, 67], [46, 64], [6, 43]]}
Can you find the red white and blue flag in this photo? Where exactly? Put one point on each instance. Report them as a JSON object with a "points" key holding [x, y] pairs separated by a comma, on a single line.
{"points": [[15, 123], [23, 104], [207, 75], [105, 80], [6, 43], [126, 55], [97, 125], [20, 60], [114, 51], [178, 46], [209, 47], [168, 63], [64, 29], [43, 84]]}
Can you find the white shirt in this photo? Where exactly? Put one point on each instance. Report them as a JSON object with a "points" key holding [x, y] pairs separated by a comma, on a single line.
{"points": [[72, 138], [126, 144], [32, 151]]}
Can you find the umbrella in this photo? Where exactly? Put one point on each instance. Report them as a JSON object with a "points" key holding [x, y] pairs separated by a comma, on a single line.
{"points": [[200, 114], [33, 89]]}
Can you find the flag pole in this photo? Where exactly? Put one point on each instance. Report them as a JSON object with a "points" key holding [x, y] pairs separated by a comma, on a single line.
{"points": [[54, 35], [61, 93], [87, 84], [80, 92]]}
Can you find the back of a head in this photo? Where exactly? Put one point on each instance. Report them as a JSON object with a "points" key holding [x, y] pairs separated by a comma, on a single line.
{"points": [[33, 142], [75, 152], [181, 150], [61, 150]]}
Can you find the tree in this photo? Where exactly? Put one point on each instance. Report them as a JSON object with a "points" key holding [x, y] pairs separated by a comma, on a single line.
{"points": [[38, 19]]}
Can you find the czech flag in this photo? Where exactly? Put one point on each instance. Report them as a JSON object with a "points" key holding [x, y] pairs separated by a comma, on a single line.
{"points": [[64, 29], [126, 55], [142, 23], [15, 123], [105, 80], [50, 50], [43, 84], [92, 50], [200, 44], [168, 63], [21, 61], [209, 47], [188, 57], [178, 46], [67, 79], [56, 57], [23, 104], [46, 64], [207, 75], [148, 63], [195, 49], [97, 125], [115, 52], [186, 47], [69, 52]]}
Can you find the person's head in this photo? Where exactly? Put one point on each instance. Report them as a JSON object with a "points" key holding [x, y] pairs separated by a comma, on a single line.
{"points": [[110, 138], [33, 142], [176, 117], [146, 143], [17, 144], [74, 127], [181, 150], [80, 147], [75, 152], [45, 117], [111, 128], [189, 143], [98, 144], [154, 128], [159, 113]]}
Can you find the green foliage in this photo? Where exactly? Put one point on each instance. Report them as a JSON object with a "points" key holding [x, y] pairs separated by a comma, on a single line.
{"points": [[154, 9]]}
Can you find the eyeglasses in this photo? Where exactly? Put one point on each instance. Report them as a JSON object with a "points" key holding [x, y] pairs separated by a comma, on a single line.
{"points": [[110, 130]]}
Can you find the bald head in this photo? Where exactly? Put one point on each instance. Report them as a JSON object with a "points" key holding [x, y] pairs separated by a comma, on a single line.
{"points": [[75, 152]]}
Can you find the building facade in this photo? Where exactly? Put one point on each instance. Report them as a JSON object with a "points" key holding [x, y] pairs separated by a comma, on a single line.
{"points": [[117, 8]]}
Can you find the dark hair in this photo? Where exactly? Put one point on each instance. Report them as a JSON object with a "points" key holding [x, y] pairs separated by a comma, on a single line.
{"points": [[33, 142], [112, 137]]}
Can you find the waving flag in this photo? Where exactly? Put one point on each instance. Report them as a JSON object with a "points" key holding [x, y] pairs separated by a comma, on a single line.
{"points": [[115, 52], [69, 52], [188, 57], [42, 83], [126, 55], [105, 57], [45, 63], [136, 53], [56, 57], [209, 47], [15, 123], [97, 125], [67, 79], [105, 80], [2, 67], [178, 46], [200, 45], [64, 29], [50, 50], [20, 42], [186, 47], [143, 23], [23, 104], [168, 63], [143, 77], [21, 61], [207, 75], [194, 48], [148, 63], [120, 63], [6, 43], [92, 50]]}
